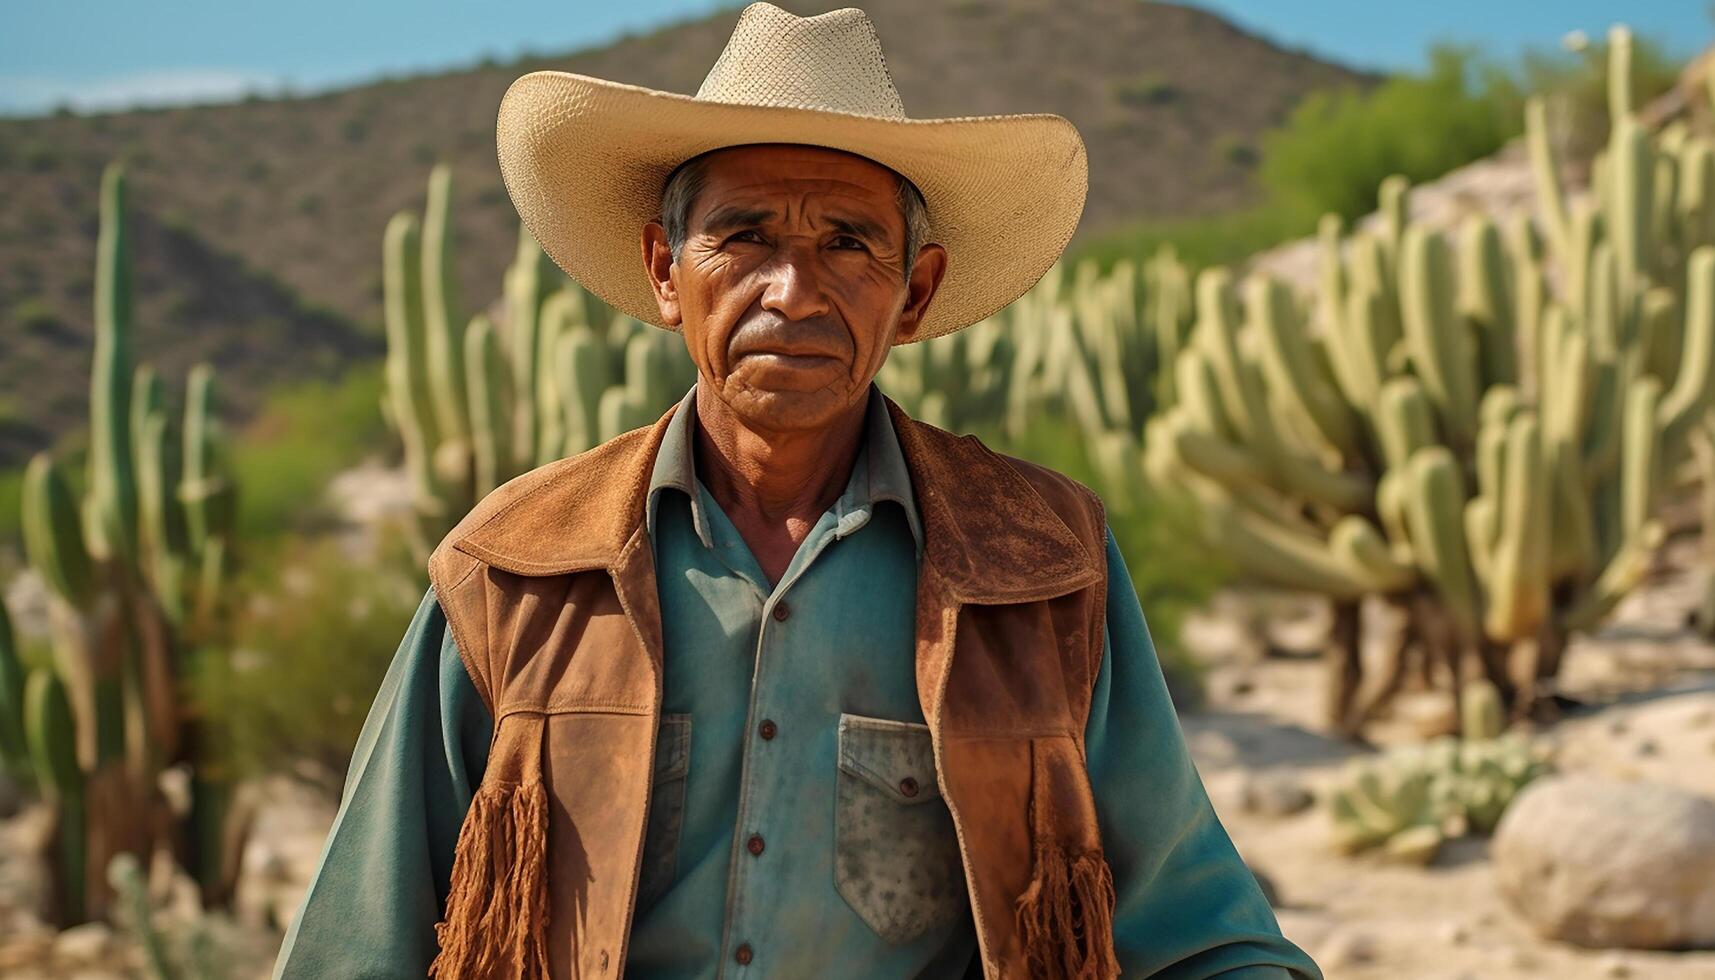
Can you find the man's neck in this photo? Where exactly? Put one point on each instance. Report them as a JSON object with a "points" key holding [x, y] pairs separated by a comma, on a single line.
{"points": [[774, 486]]}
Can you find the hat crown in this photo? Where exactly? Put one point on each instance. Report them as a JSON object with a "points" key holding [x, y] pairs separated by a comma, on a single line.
{"points": [[829, 62]]}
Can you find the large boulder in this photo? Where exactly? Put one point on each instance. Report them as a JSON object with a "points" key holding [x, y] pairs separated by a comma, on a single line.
{"points": [[1599, 862]]}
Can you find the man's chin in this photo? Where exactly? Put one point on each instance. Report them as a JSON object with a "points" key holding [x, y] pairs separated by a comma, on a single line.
{"points": [[787, 408]]}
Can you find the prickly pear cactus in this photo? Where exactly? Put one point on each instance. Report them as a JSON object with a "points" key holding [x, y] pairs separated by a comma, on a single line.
{"points": [[1410, 800]]}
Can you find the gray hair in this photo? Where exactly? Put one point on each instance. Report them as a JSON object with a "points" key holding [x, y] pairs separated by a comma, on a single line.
{"points": [[687, 181]]}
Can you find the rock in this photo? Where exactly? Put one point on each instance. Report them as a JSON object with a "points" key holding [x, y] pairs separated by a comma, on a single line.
{"points": [[1275, 794], [1454, 933], [1346, 948], [85, 943], [1523, 960], [1603, 863], [1614, 965], [1225, 686]]}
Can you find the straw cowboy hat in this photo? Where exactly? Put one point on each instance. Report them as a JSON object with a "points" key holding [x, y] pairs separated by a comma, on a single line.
{"points": [[585, 159]]}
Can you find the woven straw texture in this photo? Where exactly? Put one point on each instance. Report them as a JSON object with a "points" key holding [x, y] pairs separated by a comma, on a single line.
{"points": [[584, 159]]}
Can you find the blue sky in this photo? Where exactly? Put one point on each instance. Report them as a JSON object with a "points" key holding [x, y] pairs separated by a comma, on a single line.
{"points": [[97, 54]]}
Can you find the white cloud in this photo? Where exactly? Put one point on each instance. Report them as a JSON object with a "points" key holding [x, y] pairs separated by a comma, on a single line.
{"points": [[37, 94]]}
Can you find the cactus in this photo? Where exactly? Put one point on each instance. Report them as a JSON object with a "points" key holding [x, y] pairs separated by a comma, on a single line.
{"points": [[135, 571], [50, 733], [14, 751], [1478, 427], [1557, 420], [1481, 714], [440, 313], [111, 509], [539, 382], [490, 421]]}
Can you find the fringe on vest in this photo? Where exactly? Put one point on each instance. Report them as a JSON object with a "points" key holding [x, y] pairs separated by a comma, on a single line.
{"points": [[1065, 916], [496, 923]]}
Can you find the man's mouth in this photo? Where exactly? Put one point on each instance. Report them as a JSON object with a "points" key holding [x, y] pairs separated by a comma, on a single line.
{"points": [[788, 356], [809, 344]]}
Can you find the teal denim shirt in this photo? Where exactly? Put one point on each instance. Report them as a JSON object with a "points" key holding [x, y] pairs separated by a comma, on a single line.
{"points": [[766, 832]]}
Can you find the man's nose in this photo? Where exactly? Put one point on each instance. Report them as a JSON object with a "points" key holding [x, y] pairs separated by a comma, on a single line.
{"points": [[794, 284]]}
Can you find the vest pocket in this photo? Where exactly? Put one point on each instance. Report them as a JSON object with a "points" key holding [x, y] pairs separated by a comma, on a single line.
{"points": [[666, 808], [896, 856]]}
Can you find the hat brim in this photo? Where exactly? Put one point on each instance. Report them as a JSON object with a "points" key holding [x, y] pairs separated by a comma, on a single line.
{"points": [[585, 159]]}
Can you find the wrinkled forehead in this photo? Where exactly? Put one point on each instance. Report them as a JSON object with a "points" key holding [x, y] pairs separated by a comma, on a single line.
{"points": [[795, 176]]}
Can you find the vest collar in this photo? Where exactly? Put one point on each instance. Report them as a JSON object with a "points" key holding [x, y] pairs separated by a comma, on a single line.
{"points": [[987, 534]]}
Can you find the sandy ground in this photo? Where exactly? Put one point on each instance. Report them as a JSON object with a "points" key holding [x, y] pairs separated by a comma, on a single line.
{"points": [[1651, 685]]}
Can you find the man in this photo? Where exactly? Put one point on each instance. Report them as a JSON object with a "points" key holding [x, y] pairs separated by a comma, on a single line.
{"points": [[786, 684]]}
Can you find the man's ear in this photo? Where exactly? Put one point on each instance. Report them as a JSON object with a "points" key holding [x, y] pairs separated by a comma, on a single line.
{"points": [[920, 289], [658, 263]]}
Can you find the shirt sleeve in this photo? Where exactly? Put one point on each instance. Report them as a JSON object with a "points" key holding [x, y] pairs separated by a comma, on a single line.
{"points": [[371, 909], [1187, 908]]}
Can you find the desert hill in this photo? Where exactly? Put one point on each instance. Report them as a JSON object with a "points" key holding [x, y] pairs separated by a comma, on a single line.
{"points": [[260, 222]]}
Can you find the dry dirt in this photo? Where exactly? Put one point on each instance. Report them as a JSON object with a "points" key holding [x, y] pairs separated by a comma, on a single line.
{"points": [[1650, 685]]}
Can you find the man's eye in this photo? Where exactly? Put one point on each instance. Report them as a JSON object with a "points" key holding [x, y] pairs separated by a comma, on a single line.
{"points": [[847, 241], [754, 236]]}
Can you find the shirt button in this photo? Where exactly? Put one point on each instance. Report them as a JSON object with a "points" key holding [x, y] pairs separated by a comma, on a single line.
{"points": [[754, 844], [781, 611], [766, 729], [908, 786], [742, 954]]}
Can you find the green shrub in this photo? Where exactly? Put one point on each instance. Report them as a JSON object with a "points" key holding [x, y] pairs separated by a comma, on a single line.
{"points": [[1216, 239], [1338, 145], [12, 507], [1145, 90], [39, 158], [1235, 150], [308, 655], [33, 315], [305, 434]]}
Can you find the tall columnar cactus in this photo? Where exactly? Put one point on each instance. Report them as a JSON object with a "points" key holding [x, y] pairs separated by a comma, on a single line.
{"points": [[135, 571], [554, 375], [112, 504], [1094, 346], [13, 750]]}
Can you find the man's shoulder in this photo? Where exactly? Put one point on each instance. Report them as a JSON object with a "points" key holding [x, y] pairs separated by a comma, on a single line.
{"points": [[536, 501], [1075, 503]]}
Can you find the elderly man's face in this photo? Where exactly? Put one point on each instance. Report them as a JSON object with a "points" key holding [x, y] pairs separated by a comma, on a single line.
{"points": [[791, 286]]}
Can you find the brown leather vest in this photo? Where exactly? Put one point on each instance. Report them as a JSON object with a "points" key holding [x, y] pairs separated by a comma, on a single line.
{"points": [[549, 589]]}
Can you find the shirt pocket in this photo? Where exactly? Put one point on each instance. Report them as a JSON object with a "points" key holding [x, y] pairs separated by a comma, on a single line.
{"points": [[666, 808], [896, 855]]}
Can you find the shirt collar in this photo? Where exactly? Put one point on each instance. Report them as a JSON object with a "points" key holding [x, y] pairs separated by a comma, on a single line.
{"points": [[879, 474]]}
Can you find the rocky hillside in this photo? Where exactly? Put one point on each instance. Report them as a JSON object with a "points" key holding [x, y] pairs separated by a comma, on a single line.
{"points": [[261, 222]]}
